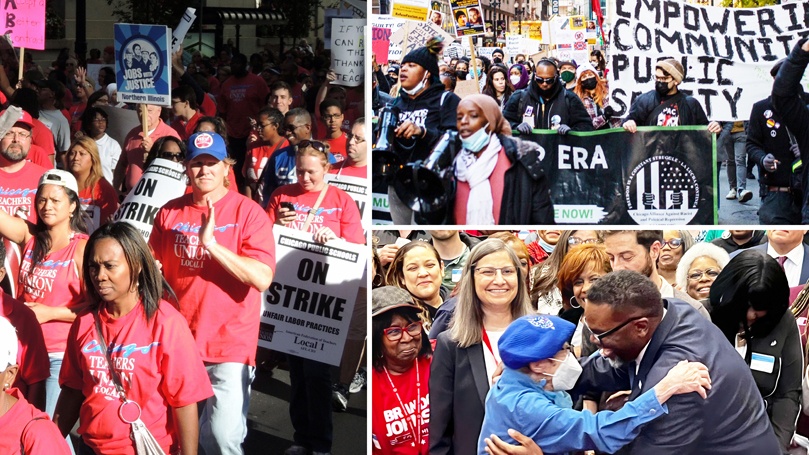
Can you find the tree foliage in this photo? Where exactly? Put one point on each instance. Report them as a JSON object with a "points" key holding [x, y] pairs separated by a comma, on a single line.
{"points": [[748, 3]]}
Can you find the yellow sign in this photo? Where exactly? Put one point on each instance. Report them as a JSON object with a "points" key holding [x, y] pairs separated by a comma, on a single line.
{"points": [[414, 10]]}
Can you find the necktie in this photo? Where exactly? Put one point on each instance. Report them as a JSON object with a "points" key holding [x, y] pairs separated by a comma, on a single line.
{"points": [[781, 260]]}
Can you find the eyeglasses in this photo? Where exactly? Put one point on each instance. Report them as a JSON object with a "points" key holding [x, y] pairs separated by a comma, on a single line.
{"points": [[578, 241], [317, 145], [261, 126], [602, 335], [663, 79], [291, 128], [697, 274], [491, 272], [22, 136], [176, 157], [355, 138], [99, 120], [330, 117], [548, 81], [673, 243], [395, 333]]}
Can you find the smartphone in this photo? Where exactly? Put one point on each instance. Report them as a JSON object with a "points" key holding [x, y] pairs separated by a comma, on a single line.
{"points": [[288, 205]]}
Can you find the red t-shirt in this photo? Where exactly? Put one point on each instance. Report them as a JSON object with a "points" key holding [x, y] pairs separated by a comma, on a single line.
{"points": [[186, 129], [39, 156], [98, 202], [348, 119], [215, 85], [337, 211], [337, 147], [54, 282], [495, 180], [343, 168], [391, 426], [38, 437], [206, 290], [32, 356], [19, 190], [134, 151], [157, 364], [207, 107], [41, 135], [254, 162], [241, 98]]}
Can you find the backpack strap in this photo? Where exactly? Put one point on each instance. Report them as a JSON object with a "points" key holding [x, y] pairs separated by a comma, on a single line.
{"points": [[24, 430]]}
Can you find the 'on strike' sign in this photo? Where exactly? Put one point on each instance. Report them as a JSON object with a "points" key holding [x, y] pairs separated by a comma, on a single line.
{"points": [[24, 20]]}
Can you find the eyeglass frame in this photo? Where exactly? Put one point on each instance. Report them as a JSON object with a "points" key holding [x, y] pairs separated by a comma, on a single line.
{"points": [[497, 269], [603, 335], [578, 241], [542, 80], [176, 157], [701, 274], [292, 128], [671, 245], [13, 135], [350, 136], [331, 116], [419, 323]]}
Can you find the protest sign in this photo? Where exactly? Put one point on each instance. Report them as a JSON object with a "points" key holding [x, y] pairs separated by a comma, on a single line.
{"points": [[659, 175], [414, 10], [120, 122], [513, 44], [418, 33], [329, 14], [467, 17], [178, 36], [467, 88], [437, 18], [485, 51], [537, 30], [357, 188], [348, 51], [308, 307], [24, 21], [569, 35], [92, 71], [143, 64], [162, 181], [382, 27], [454, 50], [727, 53], [380, 207]]}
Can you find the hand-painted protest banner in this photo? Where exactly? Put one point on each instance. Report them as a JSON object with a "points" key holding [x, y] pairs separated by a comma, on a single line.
{"points": [[659, 175], [468, 17], [382, 27], [162, 181], [357, 188], [329, 14], [727, 52], [24, 20], [348, 51], [414, 10], [143, 64], [418, 33], [307, 309]]}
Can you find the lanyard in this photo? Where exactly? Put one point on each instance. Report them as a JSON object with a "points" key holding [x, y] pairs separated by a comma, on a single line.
{"points": [[489, 346], [417, 416]]}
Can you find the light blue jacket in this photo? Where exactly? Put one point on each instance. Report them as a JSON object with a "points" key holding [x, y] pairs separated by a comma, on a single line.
{"points": [[517, 402]]}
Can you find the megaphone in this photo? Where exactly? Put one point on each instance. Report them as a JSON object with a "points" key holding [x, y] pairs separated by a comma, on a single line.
{"points": [[385, 161], [428, 187]]}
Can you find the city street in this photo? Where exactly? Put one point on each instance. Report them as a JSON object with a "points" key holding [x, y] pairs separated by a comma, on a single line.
{"points": [[733, 212]]}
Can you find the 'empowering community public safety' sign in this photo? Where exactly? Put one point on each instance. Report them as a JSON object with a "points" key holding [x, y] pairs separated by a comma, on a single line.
{"points": [[307, 309], [659, 175], [727, 52]]}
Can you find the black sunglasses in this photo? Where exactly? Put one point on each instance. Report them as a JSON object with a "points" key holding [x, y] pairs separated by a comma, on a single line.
{"points": [[542, 80], [317, 145], [176, 157]]}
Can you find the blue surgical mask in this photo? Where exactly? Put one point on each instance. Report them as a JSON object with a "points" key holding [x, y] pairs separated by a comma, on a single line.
{"points": [[478, 140]]}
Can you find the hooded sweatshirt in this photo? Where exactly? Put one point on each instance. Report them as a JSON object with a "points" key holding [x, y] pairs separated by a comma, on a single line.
{"points": [[559, 102], [433, 110]]}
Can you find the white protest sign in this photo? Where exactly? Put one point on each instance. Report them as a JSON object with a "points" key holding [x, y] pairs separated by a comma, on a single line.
{"points": [[308, 307], [418, 34], [453, 50], [348, 51], [357, 188], [485, 51], [513, 44], [92, 71], [178, 36], [727, 53], [92, 217], [162, 181]]}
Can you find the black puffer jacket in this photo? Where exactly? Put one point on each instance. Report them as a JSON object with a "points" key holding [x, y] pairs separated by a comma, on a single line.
{"points": [[526, 193], [563, 103]]}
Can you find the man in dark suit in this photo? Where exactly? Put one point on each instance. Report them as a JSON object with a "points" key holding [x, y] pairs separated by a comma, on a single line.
{"points": [[643, 336], [788, 245]]}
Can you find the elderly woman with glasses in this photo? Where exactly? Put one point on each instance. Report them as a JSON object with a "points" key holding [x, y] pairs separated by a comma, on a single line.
{"points": [[699, 268], [675, 244], [401, 356]]}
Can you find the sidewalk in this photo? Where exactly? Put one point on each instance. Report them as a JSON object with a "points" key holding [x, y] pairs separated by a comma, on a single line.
{"points": [[732, 211]]}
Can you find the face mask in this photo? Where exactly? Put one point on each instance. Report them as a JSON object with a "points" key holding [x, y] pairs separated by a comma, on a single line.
{"points": [[417, 88], [568, 373], [567, 76], [514, 79], [498, 60], [662, 88], [477, 140], [589, 84], [461, 75]]}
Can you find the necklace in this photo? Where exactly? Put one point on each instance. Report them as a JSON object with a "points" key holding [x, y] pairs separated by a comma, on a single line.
{"points": [[419, 421]]}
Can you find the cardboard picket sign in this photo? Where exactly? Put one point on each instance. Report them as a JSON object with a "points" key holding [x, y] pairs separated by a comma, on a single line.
{"points": [[418, 33], [466, 88], [24, 21], [146, 78], [348, 51], [356, 187], [308, 307], [162, 181]]}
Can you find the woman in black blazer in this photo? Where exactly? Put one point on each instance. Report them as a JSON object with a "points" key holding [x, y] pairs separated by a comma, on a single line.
{"points": [[492, 294]]}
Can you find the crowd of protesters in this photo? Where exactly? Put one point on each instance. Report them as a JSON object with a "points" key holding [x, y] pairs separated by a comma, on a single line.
{"points": [[506, 342], [496, 164], [116, 330]]}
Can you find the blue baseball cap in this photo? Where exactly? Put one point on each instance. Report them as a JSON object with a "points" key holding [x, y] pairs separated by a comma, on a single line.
{"points": [[206, 143], [533, 338]]}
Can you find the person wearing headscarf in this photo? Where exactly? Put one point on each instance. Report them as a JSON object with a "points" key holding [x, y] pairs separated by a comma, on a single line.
{"points": [[595, 95], [518, 76], [499, 177], [112, 92]]}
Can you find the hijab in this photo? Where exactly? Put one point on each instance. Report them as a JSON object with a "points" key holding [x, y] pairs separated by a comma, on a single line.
{"points": [[494, 117], [524, 77]]}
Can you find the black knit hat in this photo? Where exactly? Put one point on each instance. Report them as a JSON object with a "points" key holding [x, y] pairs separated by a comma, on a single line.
{"points": [[427, 56]]}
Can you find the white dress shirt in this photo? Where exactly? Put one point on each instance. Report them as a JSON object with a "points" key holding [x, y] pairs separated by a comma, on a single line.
{"points": [[793, 264]]}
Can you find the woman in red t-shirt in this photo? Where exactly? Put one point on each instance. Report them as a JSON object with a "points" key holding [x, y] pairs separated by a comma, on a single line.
{"points": [[335, 216], [401, 352], [150, 348], [50, 274], [98, 199], [21, 424]]}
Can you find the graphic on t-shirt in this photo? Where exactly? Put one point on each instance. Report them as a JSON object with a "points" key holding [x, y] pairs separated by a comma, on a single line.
{"points": [[418, 117], [302, 211], [124, 365], [239, 92], [39, 281], [669, 116], [187, 246], [398, 425], [12, 199]]}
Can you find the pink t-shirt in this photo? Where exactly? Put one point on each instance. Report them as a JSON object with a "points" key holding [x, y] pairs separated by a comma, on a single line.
{"points": [[342, 168], [38, 437], [206, 290], [32, 356], [495, 180], [337, 211], [19, 190], [337, 147], [393, 427], [241, 98], [157, 364], [134, 150], [55, 282]]}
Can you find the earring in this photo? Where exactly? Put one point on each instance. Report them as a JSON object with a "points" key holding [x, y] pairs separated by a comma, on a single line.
{"points": [[574, 305]]}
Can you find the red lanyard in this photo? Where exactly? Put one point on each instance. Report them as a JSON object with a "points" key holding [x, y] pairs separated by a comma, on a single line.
{"points": [[489, 345], [419, 421]]}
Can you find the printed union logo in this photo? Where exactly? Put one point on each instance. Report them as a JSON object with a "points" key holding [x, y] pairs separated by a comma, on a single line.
{"points": [[203, 141], [662, 190], [542, 322]]}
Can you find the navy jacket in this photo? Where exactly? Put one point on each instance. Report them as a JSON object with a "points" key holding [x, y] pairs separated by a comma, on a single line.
{"points": [[804, 266], [731, 421]]}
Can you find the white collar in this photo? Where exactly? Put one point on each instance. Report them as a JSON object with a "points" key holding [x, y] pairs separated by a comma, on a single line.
{"points": [[666, 290], [795, 255]]}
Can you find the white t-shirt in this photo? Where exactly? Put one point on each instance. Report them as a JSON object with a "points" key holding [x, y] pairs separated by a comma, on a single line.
{"points": [[491, 365], [109, 150], [57, 123]]}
